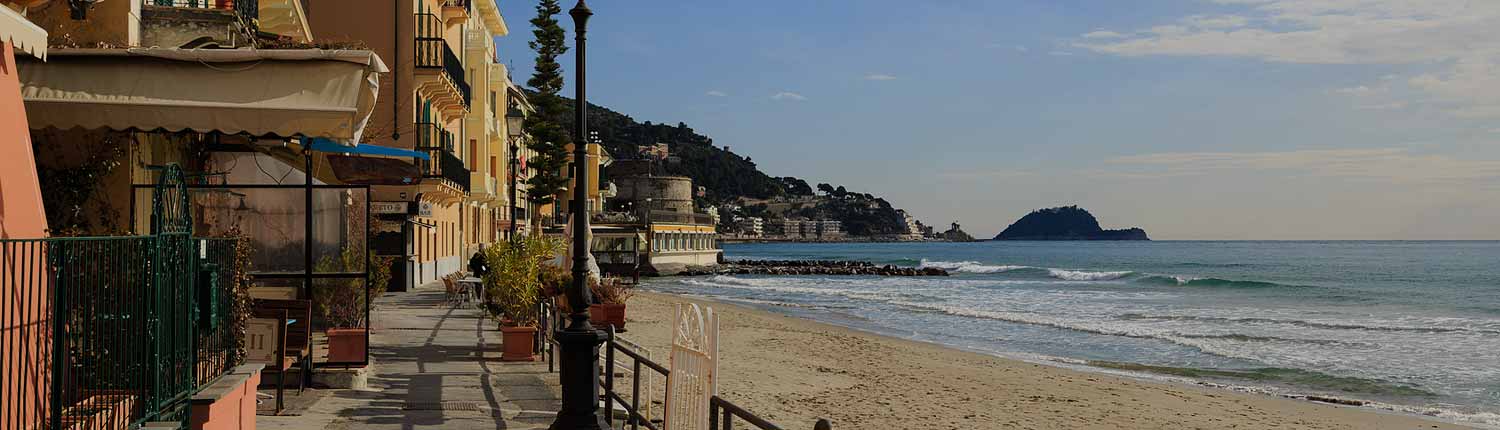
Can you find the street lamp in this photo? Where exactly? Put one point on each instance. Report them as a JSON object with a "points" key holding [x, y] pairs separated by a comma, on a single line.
{"points": [[579, 374], [515, 121]]}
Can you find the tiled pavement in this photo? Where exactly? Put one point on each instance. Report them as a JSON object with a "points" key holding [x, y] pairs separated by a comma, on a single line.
{"points": [[437, 365]]}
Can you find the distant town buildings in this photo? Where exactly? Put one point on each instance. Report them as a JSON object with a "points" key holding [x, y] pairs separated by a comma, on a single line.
{"points": [[713, 213], [752, 226], [658, 152]]}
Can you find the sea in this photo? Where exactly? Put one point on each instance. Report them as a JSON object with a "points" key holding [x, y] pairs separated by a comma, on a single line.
{"points": [[1410, 327]]}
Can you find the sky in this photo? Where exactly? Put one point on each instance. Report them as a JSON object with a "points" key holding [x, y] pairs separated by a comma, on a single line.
{"points": [[1193, 119]]}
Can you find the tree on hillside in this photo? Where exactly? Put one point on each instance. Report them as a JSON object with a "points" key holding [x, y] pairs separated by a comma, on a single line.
{"points": [[549, 138]]}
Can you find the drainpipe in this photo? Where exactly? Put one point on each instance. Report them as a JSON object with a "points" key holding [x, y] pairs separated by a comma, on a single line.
{"points": [[396, 77]]}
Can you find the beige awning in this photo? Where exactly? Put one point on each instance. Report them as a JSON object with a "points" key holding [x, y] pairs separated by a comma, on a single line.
{"points": [[292, 92], [26, 37]]}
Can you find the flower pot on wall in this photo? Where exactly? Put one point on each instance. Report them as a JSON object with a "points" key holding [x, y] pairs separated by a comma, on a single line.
{"points": [[518, 343], [347, 345], [604, 315]]}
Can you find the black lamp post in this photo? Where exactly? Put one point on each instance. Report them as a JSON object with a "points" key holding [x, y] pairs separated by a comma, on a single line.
{"points": [[579, 373], [515, 121]]}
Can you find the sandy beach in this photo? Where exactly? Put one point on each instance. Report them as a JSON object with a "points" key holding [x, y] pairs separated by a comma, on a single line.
{"points": [[794, 371]]}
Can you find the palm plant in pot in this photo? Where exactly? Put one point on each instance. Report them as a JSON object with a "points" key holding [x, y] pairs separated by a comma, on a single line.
{"points": [[514, 286], [610, 295]]}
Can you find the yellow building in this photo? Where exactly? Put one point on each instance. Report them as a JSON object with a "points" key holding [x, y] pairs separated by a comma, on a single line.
{"points": [[448, 97], [597, 159]]}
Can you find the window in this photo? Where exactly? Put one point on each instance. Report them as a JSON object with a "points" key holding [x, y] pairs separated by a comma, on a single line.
{"points": [[473, 153]]}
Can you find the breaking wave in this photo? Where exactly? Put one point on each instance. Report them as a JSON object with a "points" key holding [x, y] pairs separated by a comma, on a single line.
{"points": [[1080, 275], [968, 266]]}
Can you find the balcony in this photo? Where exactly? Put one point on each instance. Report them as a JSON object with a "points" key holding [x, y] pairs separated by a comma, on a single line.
{"points": [[439, 72], [199, 23], [456, 11], [444, 176], [483, 187]]}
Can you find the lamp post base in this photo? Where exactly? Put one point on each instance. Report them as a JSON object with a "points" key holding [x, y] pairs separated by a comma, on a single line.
{"points": [[579, 376]]}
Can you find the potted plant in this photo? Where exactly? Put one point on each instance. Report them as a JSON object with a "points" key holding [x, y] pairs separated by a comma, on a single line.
{"points": [[514, 285], [342, 305], [609, 307]]}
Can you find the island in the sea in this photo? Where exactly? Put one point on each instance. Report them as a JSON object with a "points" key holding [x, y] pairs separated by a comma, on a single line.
{"points": [[1065, 223]]}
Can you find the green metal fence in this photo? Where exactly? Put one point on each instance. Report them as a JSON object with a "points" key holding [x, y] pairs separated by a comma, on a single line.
{"points": [[111, 332]]}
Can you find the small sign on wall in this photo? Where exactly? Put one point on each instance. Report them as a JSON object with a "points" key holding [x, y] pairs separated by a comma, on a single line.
{"points": [[390, 208]]}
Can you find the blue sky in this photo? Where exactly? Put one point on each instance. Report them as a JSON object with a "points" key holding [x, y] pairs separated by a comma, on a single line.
{"points": [[1194, 119]]}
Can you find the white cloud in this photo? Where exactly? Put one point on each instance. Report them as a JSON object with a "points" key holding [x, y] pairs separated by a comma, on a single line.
{"points": [[1060, 53], [1359, 90], [1397, 165], [879, 77], [1455, 38], [1382, 106], [1216, 22], [1102, 34], [788, 95], [716, 93]]}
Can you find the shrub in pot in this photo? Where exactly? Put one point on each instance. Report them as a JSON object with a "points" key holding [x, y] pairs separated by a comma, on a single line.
{"points": [[514, 286], [609, 303], [342, 303]]}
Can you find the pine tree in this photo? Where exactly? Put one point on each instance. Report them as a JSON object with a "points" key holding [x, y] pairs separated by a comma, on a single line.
{"points": [[548, 137]]}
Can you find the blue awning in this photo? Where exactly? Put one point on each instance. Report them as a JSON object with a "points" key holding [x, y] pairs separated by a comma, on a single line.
{"points": [[328, 145]]}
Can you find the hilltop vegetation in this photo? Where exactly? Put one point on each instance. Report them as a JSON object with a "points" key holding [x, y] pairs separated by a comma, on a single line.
{"points": [[1065, 223], [728, 177]]}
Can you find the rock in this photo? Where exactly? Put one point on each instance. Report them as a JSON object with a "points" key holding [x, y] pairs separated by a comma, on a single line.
{"points": [[1065, 223]]}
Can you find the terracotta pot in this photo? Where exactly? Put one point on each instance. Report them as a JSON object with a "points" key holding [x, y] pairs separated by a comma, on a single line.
{"points": [[604, 315], [518, 342], [346, 345]]}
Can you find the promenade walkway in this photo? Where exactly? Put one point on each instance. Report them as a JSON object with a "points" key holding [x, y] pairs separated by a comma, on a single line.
{"points": [[436, 365]]}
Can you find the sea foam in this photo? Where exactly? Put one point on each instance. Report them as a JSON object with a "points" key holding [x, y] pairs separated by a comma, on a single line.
{"points": [[1079, 275], [969, 266]]}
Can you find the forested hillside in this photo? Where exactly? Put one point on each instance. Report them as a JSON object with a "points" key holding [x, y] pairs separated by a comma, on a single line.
{"points": [[727, 176]]}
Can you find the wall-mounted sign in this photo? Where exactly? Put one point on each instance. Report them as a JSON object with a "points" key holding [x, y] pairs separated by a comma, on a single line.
{"points": [[390, 208], [424, 209]]}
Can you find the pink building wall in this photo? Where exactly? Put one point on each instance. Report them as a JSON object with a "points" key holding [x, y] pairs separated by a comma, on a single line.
{"points": [[23, 324]]}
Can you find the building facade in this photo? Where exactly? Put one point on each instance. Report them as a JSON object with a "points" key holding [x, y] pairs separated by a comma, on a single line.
{"points": [[447, 96]]}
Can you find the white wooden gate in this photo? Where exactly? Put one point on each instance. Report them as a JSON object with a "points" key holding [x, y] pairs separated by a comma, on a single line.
{"points": [[693, 379]]}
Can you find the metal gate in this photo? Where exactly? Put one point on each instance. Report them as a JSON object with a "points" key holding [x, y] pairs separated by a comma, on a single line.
{"points": [[693, 379], [111, 332]]}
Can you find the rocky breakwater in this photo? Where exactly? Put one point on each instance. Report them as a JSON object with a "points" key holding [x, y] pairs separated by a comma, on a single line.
{"points": [[815, 267]]}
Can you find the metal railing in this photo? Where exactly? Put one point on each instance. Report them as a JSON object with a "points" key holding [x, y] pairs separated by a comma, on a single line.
{"points": [[431, 136], [115, 331], [433, 52], [248, 9], [111, 332], [442, 163], [721, 411], [681, 217]]}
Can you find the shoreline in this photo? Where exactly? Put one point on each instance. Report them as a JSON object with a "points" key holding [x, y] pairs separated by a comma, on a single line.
{"points": [[773, 367]]}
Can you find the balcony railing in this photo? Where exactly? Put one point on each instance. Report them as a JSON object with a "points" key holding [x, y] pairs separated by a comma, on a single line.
{"points": [[247, 9], [433, 52], [438, 143], [433, 136]]}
